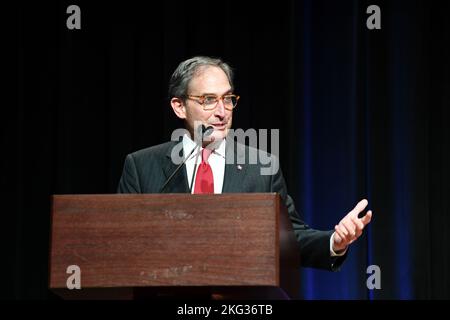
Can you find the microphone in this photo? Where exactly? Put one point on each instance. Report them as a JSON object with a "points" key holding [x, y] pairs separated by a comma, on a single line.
{"points": [[204, 132]]}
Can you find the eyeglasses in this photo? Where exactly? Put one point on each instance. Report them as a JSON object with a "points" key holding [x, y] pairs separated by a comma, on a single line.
{"points": [[209, 102]]}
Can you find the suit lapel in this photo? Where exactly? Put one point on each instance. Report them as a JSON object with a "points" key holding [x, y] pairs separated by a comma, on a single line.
{"points": [[235, 168], [179, 183]]}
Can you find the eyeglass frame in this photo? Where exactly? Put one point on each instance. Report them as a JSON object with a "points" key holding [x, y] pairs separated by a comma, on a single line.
{"points": [[195, 98]]}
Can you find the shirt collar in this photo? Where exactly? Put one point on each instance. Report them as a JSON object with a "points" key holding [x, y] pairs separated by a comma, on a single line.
{"points": [[189, 144]]}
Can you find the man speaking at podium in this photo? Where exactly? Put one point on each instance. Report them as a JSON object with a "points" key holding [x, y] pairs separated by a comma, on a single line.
{"points": [[202, 94]]}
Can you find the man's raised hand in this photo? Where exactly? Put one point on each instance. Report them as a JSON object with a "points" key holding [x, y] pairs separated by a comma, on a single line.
{"points": [[350, 227]]}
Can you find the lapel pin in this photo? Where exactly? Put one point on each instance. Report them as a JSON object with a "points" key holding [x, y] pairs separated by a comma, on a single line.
{"points": [[239, 167]]}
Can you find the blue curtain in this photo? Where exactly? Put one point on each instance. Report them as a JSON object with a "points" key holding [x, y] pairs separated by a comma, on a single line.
{"points": [[365, 133]]}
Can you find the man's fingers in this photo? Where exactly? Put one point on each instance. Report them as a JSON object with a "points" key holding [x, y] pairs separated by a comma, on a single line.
{"points": [[366, 219], [358, 223], [339, 233], [342, 229], [351, 232], [351, 227], [337, 237], [343, 233], [359, 207], [359, 226]]}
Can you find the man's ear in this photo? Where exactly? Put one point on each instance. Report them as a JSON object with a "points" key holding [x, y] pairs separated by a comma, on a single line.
{"points": [[178, 107]]}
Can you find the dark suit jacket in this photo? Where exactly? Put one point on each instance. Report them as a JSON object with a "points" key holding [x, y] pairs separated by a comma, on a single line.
{"points": [[146, 171]]}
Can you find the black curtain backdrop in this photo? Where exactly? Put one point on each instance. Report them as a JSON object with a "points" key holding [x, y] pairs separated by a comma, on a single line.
{"points": [[361, 113]]}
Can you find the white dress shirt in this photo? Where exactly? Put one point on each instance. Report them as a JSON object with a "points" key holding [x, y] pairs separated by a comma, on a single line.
{"points": [[216, 160]]}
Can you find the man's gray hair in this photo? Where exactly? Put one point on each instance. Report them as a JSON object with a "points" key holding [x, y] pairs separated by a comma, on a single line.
{"points": [[187, 69]]}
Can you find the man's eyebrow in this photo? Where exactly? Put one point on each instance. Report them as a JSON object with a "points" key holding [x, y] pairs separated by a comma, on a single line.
{"points": [[213, 94]]}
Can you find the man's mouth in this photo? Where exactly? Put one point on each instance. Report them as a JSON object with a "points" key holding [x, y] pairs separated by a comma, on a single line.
{"points": [[219, 125]]}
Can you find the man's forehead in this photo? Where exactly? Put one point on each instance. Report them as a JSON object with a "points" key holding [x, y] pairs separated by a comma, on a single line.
{"points": [[210, 80], [205, 73]]}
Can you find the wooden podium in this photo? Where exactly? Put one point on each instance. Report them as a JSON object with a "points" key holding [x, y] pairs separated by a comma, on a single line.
{"points": [[133, 246]]}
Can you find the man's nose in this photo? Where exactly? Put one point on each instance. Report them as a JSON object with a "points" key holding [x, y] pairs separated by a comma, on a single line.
{"points": [[220, 109]]}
